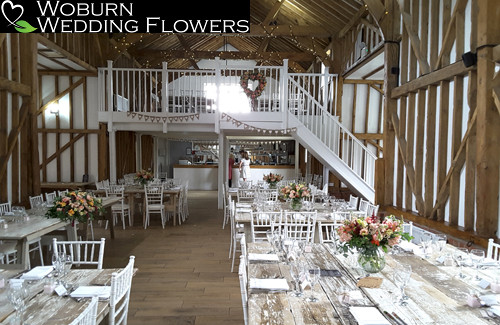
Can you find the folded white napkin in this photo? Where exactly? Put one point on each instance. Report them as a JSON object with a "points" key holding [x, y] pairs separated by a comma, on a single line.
{"points": [[408, 246], [91, 291], [263, 257], [489, 262], [495, 309], [37, 273], [243, 205], [269, 284], [489, 300], [368, 316]]}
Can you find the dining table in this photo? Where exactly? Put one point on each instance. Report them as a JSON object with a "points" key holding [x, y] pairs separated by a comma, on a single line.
{"points": [[35, 224], [438, 292], [44, 307], [136, 191]]}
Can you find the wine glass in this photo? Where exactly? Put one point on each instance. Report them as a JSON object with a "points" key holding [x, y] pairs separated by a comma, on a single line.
{"points": [[426, 241], [335, 241], [58, 260], [401, 279], [477, 256], [460, 256], [17, 294], [440, 242], [297, 271], [313, 276]]}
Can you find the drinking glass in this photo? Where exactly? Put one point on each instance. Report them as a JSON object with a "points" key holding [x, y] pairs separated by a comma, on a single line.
{"points": [[440, 242], [401, 278], [460, 255], [58, 261], [334, 238], [313, 276], [297, 271], [17, 294], [477, 256], [426, 242]]}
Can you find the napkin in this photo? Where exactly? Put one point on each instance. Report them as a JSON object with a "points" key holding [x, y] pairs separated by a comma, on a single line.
{"points": [[368, 316], [37, 273], [495, 309], [489, 300], [263, 257], [408, 246], [92, 291], [243, 205], [269, 284], [489, 262]]}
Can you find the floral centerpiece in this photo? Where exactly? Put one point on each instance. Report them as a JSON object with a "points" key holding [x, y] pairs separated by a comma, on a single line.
{"points": [[143, 176], [272, 179], [295, 193], [75, 206], [368, 235]]}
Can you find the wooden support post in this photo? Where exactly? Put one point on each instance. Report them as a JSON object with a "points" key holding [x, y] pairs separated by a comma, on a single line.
{"points": [[488, 120]]}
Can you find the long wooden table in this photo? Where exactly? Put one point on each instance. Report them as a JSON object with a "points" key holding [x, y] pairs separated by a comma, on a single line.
{"points": [[52, 309], [132, 191], [436, 294]]}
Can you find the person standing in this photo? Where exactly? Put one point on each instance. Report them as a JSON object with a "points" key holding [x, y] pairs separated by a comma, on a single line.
{"points": [[245, 166], [230, 176]]}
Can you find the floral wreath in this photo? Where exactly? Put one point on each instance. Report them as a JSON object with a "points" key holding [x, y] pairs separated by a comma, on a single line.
{"points": [[255, 76]]}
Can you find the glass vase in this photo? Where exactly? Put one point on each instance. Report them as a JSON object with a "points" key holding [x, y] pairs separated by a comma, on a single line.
{"points": [[272, 185], [296, 205], [372, 260]]}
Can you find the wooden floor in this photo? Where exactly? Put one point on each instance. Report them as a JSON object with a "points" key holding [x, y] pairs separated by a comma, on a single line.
{"points": [[184, 272]]}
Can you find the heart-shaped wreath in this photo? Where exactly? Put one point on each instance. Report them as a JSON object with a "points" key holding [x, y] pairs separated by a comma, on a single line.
{"points": [[254, 76]]}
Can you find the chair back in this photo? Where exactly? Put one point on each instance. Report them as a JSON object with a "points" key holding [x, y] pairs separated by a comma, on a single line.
{"points": [[50, 197], [242, 274], [261, 222], [493, 251], [121, 282], [269, 194], [154, 194], [36, 201], [115, 190], [326, 232], [363, 205], [353, 201], [246, 195], [88, 315], [372, 210], [300, 225], [5, 207], [82, 252], [61, 193]]}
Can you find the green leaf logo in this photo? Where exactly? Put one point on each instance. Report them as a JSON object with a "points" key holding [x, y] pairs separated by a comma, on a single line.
{"points": [[25, 27]]}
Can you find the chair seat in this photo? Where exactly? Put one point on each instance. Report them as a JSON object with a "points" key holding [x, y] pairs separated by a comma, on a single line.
{"points": [[156, 207], [8, 247], [118, 206]]}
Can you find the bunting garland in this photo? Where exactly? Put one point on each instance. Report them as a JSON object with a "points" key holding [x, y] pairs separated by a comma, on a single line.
{"points": [[238, 123], [163, 119]]}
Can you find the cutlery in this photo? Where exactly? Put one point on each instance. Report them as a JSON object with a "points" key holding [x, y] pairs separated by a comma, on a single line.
{"points": [[400, 321]]}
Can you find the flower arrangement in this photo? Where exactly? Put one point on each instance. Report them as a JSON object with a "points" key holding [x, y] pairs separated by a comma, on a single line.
{"points": [[272, 179], [75, 205], [295, 192], [369, 233], [255, 76], [143, 176]]}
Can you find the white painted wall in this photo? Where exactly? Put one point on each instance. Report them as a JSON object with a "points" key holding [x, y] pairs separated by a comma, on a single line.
{"points": [[48, 92]]}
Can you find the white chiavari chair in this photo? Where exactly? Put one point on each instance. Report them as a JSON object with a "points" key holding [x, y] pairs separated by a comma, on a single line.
{"points": [[261, 222], [121, 208], [242, 274], [237, 231], [363, 205], [269, 194], [88, 315], [61, 193], [5, 208], [8, 252], [227, 200], [493, 251], [50, 197], [36, 201], [246, 195], [121, 282], [372, 210], [353, 202], [82, 252], [154, 203], [300, 225]]}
